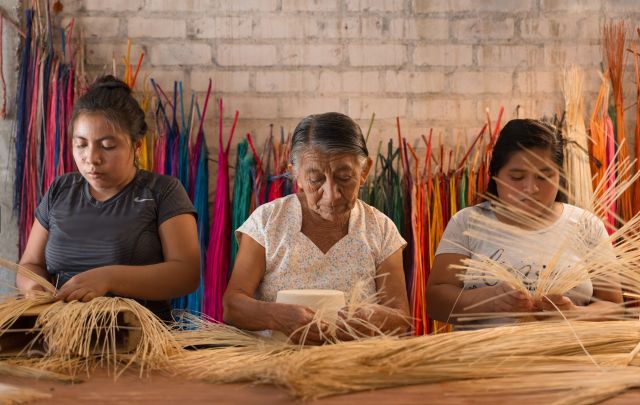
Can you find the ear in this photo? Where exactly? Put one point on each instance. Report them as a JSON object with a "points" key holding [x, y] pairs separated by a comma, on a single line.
{"points": [[365, 171], [295, 176]]}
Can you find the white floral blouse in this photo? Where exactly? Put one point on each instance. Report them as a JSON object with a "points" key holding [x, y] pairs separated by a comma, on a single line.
{"points": [[295, 262]]}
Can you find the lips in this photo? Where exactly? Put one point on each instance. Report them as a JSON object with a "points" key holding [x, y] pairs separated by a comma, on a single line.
{"points": [[528, 200], [95, 175]]}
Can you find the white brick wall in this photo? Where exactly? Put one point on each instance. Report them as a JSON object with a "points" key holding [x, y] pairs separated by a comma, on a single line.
{"points": [[140, 27], [443, 55], [434, 63], [8, 222]]}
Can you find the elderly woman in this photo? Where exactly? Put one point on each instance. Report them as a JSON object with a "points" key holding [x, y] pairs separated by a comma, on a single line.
{"points": [[323, 237]]}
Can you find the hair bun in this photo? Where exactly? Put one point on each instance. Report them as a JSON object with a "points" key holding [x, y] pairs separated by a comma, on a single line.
{"points": [[110, 82]]}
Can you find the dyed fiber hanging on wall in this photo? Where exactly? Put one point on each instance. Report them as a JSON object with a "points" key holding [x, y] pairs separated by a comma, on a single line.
{"points": [[179, 152], [419, 192], [219, 250], [242, 187], [47, 86]]}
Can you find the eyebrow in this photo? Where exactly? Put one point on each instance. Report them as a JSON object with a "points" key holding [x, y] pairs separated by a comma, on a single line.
{"points": [[544, 170], [104, 138]]}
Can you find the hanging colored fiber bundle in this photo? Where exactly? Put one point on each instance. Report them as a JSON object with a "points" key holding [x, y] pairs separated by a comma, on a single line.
{"points": [[242, 188], [44, 98], [636, 63], [613, 42], [178, 152], [219, 250]]}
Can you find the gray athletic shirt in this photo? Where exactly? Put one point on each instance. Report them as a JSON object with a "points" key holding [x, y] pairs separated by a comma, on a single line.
{"points": [[85, 233]]}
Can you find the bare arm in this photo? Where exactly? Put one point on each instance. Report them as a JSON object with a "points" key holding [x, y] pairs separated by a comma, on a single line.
{"points": [[177, 275], [607, 306], [445, 294], [245, 312], [33, 258], [392, 316]]}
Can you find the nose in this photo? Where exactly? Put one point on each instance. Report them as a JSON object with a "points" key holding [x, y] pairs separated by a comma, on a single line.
{"points": [[94, 156], [530, 185], [332, 192]]}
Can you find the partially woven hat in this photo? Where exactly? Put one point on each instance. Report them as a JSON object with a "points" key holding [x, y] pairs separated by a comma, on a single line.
{"points": [[329, 302]]}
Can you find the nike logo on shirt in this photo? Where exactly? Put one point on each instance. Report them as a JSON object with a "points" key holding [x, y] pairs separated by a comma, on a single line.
{"points": [[138, 199]]}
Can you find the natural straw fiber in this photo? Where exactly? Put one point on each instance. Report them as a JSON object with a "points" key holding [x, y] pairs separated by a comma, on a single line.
{"points": [[10, 395]]}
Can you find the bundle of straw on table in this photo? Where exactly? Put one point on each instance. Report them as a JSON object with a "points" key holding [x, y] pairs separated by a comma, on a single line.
{"points": [[18, 395], [76, 336], [542, 349], [28, 368], [578, 387]]}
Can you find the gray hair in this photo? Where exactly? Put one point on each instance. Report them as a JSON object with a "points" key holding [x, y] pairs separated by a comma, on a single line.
{"points": [[331, 133]]}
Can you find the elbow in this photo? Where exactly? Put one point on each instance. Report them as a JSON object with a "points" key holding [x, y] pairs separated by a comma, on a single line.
{"points": [[428, 299], [228, 309], [431, 301], [192, 279]]}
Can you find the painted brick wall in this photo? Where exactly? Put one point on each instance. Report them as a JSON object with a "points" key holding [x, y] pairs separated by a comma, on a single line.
{"points": [[434, 63], [8, 223]]}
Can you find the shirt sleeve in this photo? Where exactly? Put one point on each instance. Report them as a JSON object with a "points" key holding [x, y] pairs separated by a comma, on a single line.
{"points": [[42, 211], [174, 201], [254, 226], [595, 236], [391, 239], [453, 239]]}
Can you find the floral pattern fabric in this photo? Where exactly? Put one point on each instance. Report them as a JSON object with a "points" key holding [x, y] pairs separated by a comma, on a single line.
{"points": [[293, 261]]}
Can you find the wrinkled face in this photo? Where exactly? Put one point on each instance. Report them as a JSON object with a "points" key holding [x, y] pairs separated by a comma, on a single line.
{"points": [[529, 181], [103, 154], [331, 182]]}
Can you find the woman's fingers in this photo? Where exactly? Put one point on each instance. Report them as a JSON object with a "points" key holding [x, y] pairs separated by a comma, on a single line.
{"points": [[309, 335], [76, 295], [88, 296], [70, 292]]}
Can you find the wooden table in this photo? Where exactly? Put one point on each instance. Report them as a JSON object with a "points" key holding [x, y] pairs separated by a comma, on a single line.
{"points": [[163, 389]]}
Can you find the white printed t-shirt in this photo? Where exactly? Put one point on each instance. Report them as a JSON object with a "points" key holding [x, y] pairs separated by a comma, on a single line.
{"points": [[293, 261], [574, 233]]}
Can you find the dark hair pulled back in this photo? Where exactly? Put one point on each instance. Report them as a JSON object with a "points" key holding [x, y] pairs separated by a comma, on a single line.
{"points": [[112, 98], [526, 134]]}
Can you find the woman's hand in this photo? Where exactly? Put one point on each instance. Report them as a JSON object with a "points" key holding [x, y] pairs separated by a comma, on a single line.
{"points": [[508, 299], [295, 321], [553, 304], [86, 286], [370, 320], [29, 287], [360, 324]]}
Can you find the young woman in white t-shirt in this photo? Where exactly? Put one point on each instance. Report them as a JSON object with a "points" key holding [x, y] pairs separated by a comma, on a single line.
{"points": [[526, 177]]}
